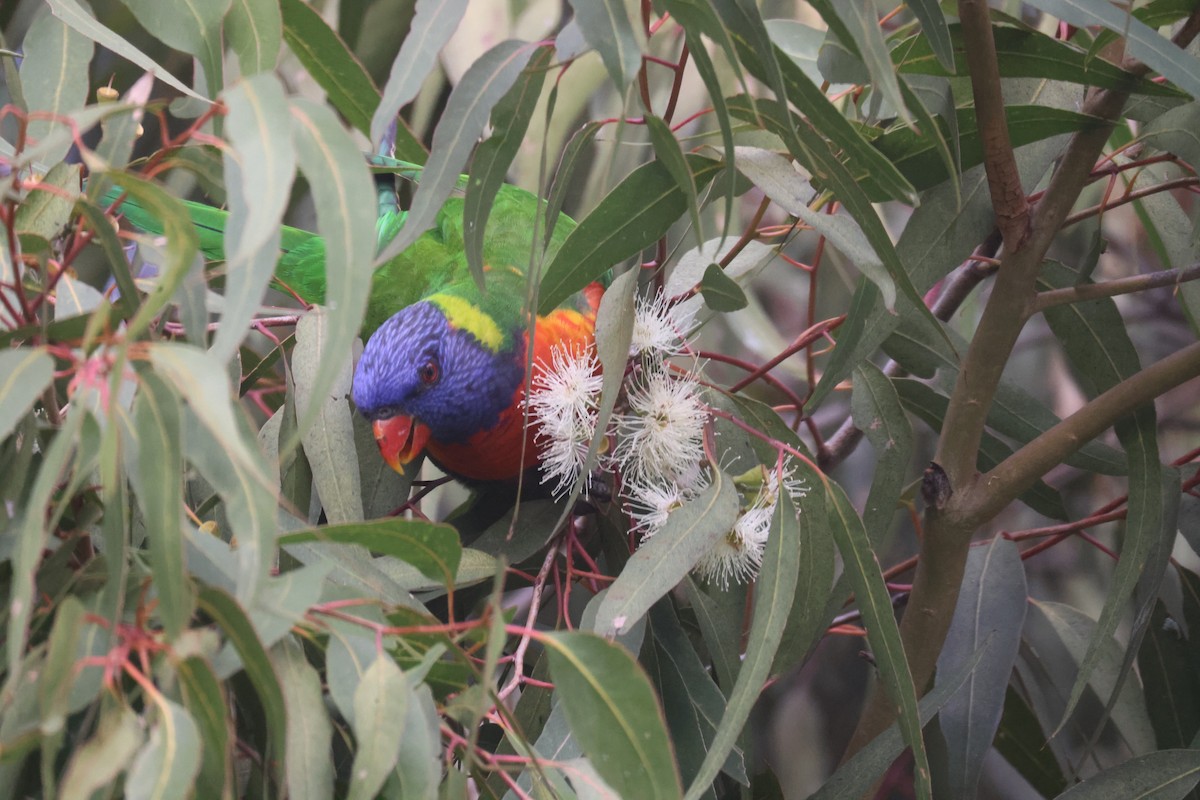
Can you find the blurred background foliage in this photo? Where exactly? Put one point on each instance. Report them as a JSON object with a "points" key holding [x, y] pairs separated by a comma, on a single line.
{"points": [[199, 605]]}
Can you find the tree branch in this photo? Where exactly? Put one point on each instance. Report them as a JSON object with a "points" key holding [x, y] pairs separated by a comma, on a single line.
{"points": [[1005, 482], [1119, 286], [1178, 183], [1004, 180], [1009, 305], [950, 523]]}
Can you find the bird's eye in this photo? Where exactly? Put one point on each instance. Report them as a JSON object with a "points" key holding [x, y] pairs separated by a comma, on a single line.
{"points": [[428, 372]]}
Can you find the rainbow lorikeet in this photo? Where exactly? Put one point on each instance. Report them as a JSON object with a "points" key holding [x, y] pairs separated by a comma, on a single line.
{"points": [[443, 370]]}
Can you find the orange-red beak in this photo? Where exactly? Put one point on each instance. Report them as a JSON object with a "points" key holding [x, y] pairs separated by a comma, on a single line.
{"points": [[400, 440]]}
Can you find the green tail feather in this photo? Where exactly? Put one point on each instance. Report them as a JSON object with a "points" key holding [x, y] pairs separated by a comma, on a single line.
{"points": [[209, 222], [435, 262]]}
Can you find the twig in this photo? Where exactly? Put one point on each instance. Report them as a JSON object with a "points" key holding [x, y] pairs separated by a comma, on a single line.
{"points": [[535, 604], [999, 487], [1117, 286]]}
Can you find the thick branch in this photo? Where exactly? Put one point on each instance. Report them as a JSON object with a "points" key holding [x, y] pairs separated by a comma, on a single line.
{"points": [[1008, 307], [949, 526], [947, 538], [1022, 469], [1004, 180], [1118, 286]]}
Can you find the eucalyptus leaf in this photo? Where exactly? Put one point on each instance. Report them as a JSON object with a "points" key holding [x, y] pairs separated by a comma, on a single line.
{"points": [[663, 560], [1164, 775], [432, 25], [774, 590], [309, 765], [170, 759], [329, 443], [258, 181], [380, 704], [26, 373], [54, 75], [990, 613], [103, 757], [606, 26], [254, 29], [1141, 41], [80, 19], [330, 63], [467, 112], [614, 715]]}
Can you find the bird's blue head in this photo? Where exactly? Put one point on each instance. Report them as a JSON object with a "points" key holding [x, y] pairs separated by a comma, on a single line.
{"points": [[446, 377]]}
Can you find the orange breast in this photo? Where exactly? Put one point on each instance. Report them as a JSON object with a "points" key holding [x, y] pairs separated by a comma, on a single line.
{"points": [[496, 454]]}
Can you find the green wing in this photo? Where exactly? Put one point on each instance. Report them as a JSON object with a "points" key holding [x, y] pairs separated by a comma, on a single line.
{"points": [[436, 262]]}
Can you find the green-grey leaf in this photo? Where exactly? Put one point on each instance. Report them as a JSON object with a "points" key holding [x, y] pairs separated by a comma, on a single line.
{"points": [[774, 590], [1077, 634], [613, 714], [1165, 775], [1165, 662], [991, 613], [940, 234], [510, 121], [431, 547], [54, 75], [855, 777], [75, 15], [810, 616], [254, 29], [167, 764], [26, 374], [669, 151], [780, 181], [248, 502], [420, 763], [101, 759], [662, 561], [692, 702], [1094, 337], [606, 26], [57, 674], [639, 210], [258, 180], [331, 64], [206, 702], [433, 22], [721, 292], [921, 157], [309, 761], [205, 384], [467, 112], [48, 208], [32, 534], [232, 620], [182, 244], [159, 482], [380, 704], [862, 21], [329, 442], [933, 25], [193, 26], [877, 412], [1028, 53], [346, 211], [862, 567], [1141, 41]]}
